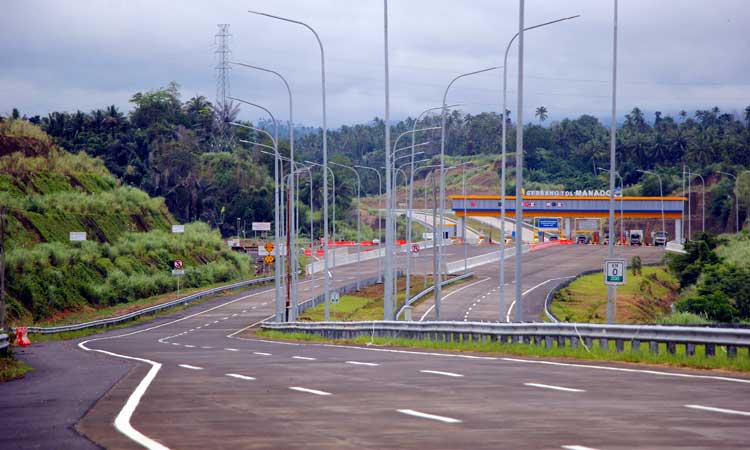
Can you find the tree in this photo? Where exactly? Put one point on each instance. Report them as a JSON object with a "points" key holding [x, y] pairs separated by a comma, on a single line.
{"points": [[541, 113]]}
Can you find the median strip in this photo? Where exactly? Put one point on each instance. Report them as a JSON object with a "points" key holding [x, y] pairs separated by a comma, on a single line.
{"points": [[411, 412], [309, 391], [555, 388], [719, 410]]}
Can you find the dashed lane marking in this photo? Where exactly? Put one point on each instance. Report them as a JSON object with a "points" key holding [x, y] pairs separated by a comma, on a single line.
{"points": [[261, 353], [231, 349], [576, 447], [240, 377], [309, 391], [306, 358], [188, 366], [189, 346], [719, 410], [556, 388], [447, 374], [411, 412], [358, 363]]}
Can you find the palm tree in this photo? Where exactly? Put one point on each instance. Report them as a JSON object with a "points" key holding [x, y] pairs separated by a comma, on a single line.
{"points": [[541, 113]]}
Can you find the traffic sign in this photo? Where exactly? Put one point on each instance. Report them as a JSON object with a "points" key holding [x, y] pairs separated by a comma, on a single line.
{"points": [[268, 259], [614, 272], [77, 235], [548, 223], [178, 228], [178, 272], [415, 248], [269, 247], [334, 297], [178, 264]]}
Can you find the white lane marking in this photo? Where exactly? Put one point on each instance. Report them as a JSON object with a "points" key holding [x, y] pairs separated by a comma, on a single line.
{"points": [[231, 349], [191, 330], [207, 325], [623, 369], [189, 346], [206, 347], [556, 388], [261, 353], [175, 343], [359, 363], [309, 391], [306, 358], [447, 374], [188, 366], [411, 412], [122, 421], [223, 318], [240, 377], [513, 303], [719, 410], [235, 315], [576, 447], [451, 293], [231, 335]]}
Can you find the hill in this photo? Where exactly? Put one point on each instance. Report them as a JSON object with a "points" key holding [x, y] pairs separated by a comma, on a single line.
{"points": [[47, 192]]}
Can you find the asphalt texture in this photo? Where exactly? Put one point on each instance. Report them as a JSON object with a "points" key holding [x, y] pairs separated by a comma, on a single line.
{"points": [[218, 386]]}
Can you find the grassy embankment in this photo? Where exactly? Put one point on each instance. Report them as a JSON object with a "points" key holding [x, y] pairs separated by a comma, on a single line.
{"points": [[644, 298], [12, 368], [47, 193], [679, 359], [367, 304]]}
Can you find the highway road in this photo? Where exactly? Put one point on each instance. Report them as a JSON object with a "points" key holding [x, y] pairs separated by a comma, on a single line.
{"points": [[199, 378]]}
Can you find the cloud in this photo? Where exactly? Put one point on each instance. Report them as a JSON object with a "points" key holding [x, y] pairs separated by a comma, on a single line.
{"points": [[673, 54]]}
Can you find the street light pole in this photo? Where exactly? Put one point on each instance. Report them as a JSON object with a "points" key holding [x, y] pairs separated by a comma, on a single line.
{"points": [[737, 198], [622, 213], [325, 149], [703, 203], [519, 169], [277, 230], [502, 163], [380, 216], [437, 243], [359, 202], [612, 290]]}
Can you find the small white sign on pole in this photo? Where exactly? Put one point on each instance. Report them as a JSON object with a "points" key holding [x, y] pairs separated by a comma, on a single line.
{"points": [[178, 272], [334, 297], [614, 272], [77, 236], [261, 226], [178, 228]]}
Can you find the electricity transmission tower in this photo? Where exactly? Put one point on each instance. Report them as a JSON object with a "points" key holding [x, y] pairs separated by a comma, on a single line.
{"points": [[225, 111]]}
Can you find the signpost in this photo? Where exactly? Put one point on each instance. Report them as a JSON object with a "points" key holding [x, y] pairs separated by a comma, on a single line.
{"points": [[548, 223], [178, 271], [334, 301], [77, 236], [614, 272], [261, 226]]}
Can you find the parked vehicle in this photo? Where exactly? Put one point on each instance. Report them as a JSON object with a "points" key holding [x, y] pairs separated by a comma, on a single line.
{"points": [[582, 239], [636, 237], [659, 238]]}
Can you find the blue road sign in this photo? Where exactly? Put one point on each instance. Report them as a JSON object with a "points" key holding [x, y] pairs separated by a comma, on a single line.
{"points": [[548, 223]]}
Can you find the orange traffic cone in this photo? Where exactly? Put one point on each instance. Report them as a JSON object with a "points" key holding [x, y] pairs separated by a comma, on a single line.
{"points": [[22, 337]]}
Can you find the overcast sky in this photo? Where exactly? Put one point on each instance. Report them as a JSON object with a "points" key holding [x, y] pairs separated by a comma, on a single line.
{"points": [[86, 54]]}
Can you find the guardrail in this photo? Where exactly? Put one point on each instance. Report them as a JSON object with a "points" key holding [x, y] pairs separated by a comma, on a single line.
{"points": [[430, 289], [351, 287], [4, 342], [487, 258], [150, 309], [547, 334]]}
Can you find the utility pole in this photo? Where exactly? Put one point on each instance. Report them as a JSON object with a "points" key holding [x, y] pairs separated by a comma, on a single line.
{"points": [[224, 108]]}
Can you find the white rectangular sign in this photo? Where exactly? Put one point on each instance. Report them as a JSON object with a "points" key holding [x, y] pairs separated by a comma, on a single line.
{"points": [[178, 272], [261, 226], [334, 297], [178, 228], [263, 252], [614, 272], [77, 235], [427, 236]]}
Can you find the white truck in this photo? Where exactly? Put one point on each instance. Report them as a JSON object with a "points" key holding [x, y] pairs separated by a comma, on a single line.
{"points": [[635, 237]]}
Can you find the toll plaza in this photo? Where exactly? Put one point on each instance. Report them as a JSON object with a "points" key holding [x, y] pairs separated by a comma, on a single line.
{"points": [[567, 213]]}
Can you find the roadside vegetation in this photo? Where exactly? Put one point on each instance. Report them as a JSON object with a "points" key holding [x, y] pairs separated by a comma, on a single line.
{"points": [[699, 361], [12, 368], [47, 192]]}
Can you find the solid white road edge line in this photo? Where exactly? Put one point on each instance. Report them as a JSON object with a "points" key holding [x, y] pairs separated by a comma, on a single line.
{"points": [[447, 374], [240, 377], [309, 391], [556, 388], [429, 310], [122, 421], [719, 410], [411, 412], [188, 366], [358, 363], [513, 303]]}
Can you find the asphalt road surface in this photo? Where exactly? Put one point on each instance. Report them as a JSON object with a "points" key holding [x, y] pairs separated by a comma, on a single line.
{"points": [[200, 379]]}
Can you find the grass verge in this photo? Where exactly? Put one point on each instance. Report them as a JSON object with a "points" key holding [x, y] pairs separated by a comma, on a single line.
{"points": [[12, 368], [679, 359]]}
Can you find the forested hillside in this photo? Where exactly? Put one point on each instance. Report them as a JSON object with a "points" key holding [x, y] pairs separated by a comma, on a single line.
{"points": [[46, 193]]}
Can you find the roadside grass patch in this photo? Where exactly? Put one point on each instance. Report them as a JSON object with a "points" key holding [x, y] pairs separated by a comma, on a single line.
{"points": [[12, 368], [643, 299], [680, 359]]}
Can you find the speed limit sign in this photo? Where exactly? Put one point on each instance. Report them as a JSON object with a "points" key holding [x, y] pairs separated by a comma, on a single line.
{"points": [[178, 264], [614, 272]]}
